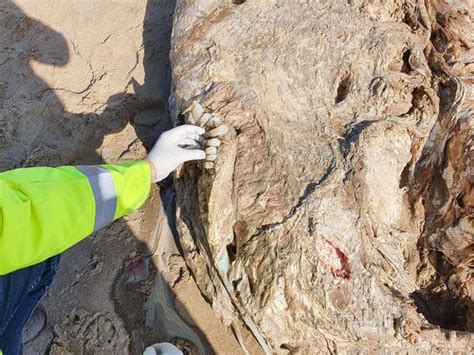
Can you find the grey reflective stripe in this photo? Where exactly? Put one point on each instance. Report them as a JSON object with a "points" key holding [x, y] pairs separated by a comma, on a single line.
{"points": [[102, 184]]}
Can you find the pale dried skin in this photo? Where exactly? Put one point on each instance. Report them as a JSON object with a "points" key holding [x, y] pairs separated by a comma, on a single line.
{"points": [[346, 163]]}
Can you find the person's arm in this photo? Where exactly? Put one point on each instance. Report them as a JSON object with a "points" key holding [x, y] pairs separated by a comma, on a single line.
{"points": [[44, 211]]}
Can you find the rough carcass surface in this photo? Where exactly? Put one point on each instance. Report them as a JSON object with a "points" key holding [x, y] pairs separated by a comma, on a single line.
{"points": [[339, 216]]}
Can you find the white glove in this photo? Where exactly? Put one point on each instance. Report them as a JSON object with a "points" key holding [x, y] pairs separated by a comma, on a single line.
{"points": [[174, 147]]}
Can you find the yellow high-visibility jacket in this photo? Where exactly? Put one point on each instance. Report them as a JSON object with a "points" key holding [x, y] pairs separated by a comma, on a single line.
{"points": [[44, 211]]}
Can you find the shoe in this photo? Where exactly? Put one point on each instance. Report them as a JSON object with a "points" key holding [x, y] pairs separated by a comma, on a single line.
{"points": [[162, 349]]}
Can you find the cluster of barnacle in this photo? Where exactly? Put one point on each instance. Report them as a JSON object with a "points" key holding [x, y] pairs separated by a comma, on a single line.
{"points": [[196, 114]]}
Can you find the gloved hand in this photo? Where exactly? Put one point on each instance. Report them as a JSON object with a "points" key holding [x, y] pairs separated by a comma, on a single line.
{"points": [[174, 147]]}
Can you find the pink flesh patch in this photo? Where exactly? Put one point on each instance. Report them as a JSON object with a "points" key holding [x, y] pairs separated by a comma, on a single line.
{"points": [[332, 258]]}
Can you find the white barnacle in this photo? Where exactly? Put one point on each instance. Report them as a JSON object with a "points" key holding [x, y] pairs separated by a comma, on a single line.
{"points": [[206, 117], [213, 122], [211, 150], [188, 118], [213, 142], [197, 114], [219, 131], [197, 110], [208, 165], [211, 157]]}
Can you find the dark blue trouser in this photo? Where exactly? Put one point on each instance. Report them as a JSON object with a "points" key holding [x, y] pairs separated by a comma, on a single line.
{"points": [[20, 292]]}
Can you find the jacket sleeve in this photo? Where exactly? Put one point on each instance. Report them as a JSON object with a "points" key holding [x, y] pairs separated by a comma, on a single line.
{"points": [[44, 211]]}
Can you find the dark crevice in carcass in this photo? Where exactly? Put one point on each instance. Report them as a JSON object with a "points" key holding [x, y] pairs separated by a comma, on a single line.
{"points": [[443, 299]]}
